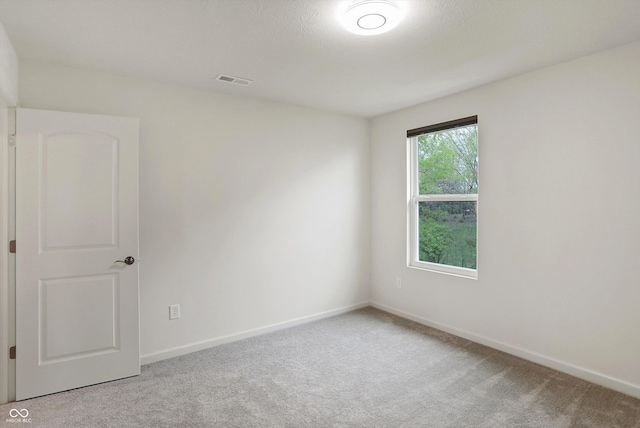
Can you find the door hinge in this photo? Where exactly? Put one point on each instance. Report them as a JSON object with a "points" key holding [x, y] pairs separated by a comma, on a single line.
{"points": [[12, 353], [12, 246]]}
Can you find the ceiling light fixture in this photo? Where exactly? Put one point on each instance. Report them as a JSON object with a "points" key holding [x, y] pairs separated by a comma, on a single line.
{"points": [[370, 17]]}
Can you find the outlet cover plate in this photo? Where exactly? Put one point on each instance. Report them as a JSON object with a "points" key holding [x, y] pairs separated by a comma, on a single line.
{"points": [[174, 312]]}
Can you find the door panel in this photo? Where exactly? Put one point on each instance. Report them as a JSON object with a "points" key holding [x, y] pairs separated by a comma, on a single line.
{"points": [[76, 215], [77, 168], [95, 300]]}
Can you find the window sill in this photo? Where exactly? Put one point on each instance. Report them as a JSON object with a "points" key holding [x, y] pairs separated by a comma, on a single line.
{"points": [[444, 269]]}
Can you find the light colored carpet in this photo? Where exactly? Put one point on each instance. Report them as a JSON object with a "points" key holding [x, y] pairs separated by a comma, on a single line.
{"points": [[366, 368]]}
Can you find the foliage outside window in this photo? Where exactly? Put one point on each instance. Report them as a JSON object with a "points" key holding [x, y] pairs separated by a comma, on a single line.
{"points": [[443, 205]]}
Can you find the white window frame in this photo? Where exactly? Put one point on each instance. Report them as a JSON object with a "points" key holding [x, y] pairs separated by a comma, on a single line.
{"points": [[413, 200]]}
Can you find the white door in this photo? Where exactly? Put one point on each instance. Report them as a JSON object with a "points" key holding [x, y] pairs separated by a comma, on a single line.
{"points": [[76, 216]]}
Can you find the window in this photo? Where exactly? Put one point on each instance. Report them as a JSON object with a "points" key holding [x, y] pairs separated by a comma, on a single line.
{"points": [[443, 202]]}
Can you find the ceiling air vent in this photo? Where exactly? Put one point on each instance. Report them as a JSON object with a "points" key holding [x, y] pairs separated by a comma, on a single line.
{"points": [[235, 80]]}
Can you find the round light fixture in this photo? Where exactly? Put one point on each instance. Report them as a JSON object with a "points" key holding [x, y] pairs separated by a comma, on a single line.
{"points": [[369, 17]]}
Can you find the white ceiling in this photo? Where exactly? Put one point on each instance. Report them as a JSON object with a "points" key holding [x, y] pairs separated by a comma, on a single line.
{"points": [[297, 52]]}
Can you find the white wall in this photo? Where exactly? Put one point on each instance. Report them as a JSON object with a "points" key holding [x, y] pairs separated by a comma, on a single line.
{"points": [[252, 213], [559, 218], [8, 70]]}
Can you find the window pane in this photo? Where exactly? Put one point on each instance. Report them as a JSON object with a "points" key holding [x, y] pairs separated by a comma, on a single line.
{"points": [[448, 161], [447, 233]]}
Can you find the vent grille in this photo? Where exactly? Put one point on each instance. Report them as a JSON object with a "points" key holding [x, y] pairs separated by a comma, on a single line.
{"points": [[235, 80]]}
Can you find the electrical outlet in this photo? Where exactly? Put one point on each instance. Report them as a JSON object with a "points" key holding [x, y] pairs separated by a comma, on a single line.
{"points": [[399, 282], [174, 312]]}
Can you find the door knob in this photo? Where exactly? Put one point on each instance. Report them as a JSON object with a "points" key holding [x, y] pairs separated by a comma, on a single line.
{"points": [[128, 260]]}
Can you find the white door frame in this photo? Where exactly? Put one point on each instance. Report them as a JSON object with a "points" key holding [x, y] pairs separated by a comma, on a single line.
{"points": [[8, 99], [7, 261]]}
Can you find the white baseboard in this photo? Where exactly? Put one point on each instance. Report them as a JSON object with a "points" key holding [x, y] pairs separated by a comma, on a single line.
{"points": [[562, 366], [198, 346]]}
